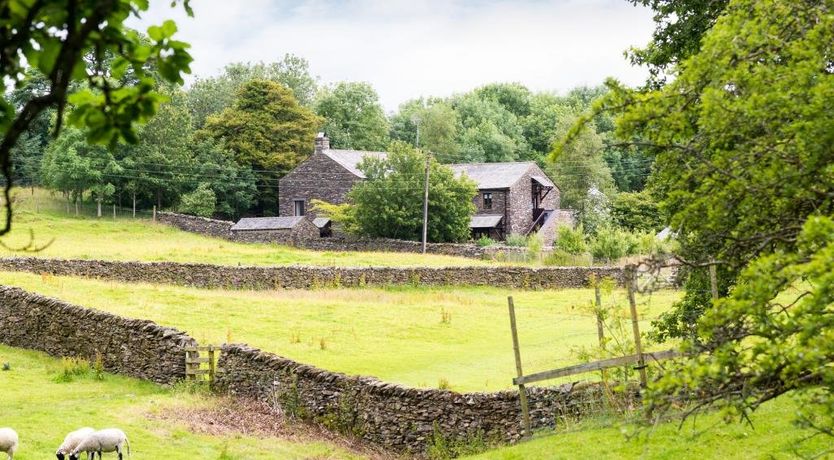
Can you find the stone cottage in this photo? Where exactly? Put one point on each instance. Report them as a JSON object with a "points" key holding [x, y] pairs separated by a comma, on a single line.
{"points": [[512, 198]]}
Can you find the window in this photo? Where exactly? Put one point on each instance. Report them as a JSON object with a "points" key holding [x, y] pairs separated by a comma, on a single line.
{"points": [[298, 207], [487, 200]]}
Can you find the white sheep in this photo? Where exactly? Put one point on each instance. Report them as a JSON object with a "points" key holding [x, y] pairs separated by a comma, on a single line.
{"points": [[72, 440], [8, 441], [109, 440]]}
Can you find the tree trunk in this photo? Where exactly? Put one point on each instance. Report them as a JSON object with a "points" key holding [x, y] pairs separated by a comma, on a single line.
{"points": [[134, 205], [98, 207], [159, 199]]}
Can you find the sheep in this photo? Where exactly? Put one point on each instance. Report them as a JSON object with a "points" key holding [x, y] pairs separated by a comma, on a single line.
{"points": [[72, 440], [109, 440], [8, 441]]}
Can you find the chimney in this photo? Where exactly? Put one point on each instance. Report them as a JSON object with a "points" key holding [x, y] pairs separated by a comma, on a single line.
{"points": [[322, 143]]}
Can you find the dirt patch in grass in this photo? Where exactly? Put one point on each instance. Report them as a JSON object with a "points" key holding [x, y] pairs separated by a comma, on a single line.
{"points": [[230, 416]]}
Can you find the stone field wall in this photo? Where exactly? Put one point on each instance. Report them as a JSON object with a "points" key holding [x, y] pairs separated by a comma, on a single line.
{"points": [[405, 419], [306, 277], [134, 347]]}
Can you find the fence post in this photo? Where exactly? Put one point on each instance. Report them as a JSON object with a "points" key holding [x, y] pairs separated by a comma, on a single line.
{"points": [[114, 211], [631, 280], [598, 311], [522, 392], [713, 280], [154, 213], [211, 364]]}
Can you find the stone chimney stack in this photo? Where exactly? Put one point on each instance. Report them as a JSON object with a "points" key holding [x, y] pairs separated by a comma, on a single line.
{"points": [[322, 142]]}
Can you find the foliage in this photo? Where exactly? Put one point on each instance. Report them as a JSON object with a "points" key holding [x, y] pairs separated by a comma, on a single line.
{"points": [[390, 202], [489, 131], [354, 119], [266, 130], [611, 243], [583, 177], [771, 336], [484, 242], [636, 211], [438, 124], [200, 202], [516, 240], [209, 96], [70, 44], [534, 247], [571, 240], [73, 166], [681, 25], [343, 215]]}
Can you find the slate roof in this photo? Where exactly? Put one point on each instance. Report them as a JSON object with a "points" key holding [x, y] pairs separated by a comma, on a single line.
{"points": [[493, 175], [321, 222], [267, 223], [543, 180], [485, 221], [349, 159]]}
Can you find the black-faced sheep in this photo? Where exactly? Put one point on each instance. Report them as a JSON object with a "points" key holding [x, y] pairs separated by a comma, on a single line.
{"points": [[71, 441]]}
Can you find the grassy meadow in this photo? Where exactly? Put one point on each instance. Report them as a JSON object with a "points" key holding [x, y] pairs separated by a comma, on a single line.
{"points": [[771, 436], [416, 336], [87, 237], [42, 407]]}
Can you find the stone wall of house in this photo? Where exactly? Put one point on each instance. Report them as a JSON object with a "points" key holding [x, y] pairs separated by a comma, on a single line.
{"points": [[318, 177], [521, 202], [303, 231], [195, 224], [390, 415], [557, 218], [134, 347], [304, 277]]}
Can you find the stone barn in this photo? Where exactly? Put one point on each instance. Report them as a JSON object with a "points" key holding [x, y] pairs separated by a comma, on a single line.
{"points": [[275, 229]]}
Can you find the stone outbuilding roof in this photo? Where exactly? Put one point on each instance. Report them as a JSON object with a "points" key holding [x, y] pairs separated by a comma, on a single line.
{"points": [[485, 221], [267, 223]]}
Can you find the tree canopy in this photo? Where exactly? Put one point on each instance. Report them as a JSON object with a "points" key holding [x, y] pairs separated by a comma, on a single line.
{"points": [[354, 119]]}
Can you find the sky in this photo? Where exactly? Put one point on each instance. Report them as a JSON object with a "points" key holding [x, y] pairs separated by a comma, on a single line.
{"points": [[412, 48]]}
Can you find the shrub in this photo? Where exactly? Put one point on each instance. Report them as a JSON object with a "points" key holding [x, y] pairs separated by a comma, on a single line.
{"points": [[560, 258], [534, 246], [609, 244], [200, 202], [515, 240], [484, 241], [570, 240]]}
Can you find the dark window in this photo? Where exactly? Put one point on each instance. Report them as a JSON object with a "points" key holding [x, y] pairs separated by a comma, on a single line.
{"points": [[299, 207], [487, 200]]}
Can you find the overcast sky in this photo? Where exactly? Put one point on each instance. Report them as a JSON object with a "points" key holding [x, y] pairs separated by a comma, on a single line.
{"points": [[412, 48]]}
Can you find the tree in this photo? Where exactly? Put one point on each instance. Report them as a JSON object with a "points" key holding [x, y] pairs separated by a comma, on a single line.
{"points": [[73, 167], [209, 96], [490, 132], [742, 139], [200, 202], [583, 176], [636, 211], [681, 24], [389, 203], [539, 126], [354, 119], [234, 187], [56, 37], [438, 123], [266, 130]]}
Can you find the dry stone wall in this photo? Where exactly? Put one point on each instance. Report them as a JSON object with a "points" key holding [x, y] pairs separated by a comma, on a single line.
{"points": [[134, 347], [389, 415], [195, 224], [305, 277]]}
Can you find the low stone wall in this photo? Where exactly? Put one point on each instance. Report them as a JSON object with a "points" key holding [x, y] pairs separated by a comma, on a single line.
{"points": [[194, 224], [134, 347], [305, 277], [389, 415], [221, 229]]}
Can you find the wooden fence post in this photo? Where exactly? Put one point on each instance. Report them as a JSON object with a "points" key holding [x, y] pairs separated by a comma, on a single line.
{"points": [[713, 280], [522, 392], [211, 364], [598, 311], [631, 280]]}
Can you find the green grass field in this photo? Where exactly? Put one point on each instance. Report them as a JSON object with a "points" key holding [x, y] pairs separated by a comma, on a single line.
{"points": [[42, 410], [397, 334], [772, 436], [141, 239]]}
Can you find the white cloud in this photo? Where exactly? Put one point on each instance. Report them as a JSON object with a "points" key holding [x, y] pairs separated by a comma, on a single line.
{"points": [[406, 49]]}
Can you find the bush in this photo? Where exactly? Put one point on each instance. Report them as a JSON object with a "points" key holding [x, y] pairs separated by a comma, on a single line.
{"points": [[515, 240], [560, 258], [570, 240], [610, 244], [534, 246], [200, 202], [484, 241]]}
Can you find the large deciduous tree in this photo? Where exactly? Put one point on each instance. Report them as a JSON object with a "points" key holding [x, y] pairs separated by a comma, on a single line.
{"points": [[389, 203], [354, 119], [268, 131], [70, 41], [744, 163], [438, 125]]}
